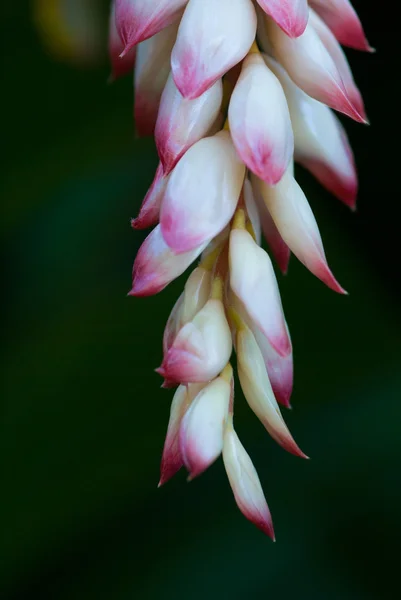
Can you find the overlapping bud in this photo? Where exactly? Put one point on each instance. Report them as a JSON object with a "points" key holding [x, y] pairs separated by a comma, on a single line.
{"points": [[234, 92]]}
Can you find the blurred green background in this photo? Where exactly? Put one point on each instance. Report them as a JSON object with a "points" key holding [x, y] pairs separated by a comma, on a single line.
{"points": [[83, 418]]}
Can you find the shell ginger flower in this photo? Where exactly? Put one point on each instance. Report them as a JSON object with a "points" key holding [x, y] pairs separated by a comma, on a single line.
{"points": [[235, 92]]}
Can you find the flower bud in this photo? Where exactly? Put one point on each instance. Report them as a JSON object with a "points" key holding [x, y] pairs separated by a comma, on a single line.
{"points": [[156, 265], [213, 37], [150, 208], [202, 193], [311, 67], [294, 219], [202, 428], [245, 483], [151, 72], [258, 390], [343, 21], [253, 281], [201, 348], [321, 144], [259, 119], [290, 15], [172, 458], [181, 122], [340, 60], [277, 245], [138, 20]]}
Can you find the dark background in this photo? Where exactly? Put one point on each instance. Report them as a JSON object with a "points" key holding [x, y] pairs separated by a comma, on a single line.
{"points": [[83, 418]]}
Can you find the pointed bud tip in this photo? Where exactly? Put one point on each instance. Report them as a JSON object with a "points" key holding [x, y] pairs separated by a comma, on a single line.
{"points": [[324, 273]]}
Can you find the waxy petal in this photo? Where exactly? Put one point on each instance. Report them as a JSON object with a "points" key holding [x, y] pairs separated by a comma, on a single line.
{"points": [[212, 38], [321, 144], [341, 62], [202, 428], [138, 20], [277, 245], [202, 193], [343, 21], [171, 459], [294, 219], [279, 368], [156, 265], [119, 66], [245, 483], [182, 122], [151, 72], [290, 15], [202, 347], [311, 67], [260, 123], [150, 208], [258, 391], [253, 281]]}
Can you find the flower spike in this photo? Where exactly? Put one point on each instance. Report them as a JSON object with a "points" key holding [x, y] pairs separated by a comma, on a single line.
{"points": [[231, 115]]}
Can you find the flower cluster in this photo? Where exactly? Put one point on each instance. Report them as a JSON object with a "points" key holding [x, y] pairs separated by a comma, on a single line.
{"points": [[234, 91]]}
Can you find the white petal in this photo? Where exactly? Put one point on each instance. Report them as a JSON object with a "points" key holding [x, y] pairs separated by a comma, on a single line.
{"points": [[258, 391], [294, 219], [202, 428], [138, 20], [182, 122], [212, 38], [156, 265], [312, 68], [259, 119], [151, 72], [202, 347], [321, 144], [253, 280], [245, 483], [202, 193]]}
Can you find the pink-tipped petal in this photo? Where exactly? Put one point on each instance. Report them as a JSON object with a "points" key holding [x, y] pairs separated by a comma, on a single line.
{"points": [[119, 66], [150, 208], [253, 281], [171, 459], [321, 144], [202, 347], [294, 219], [311, 67], [290, 15], [156, 265], [138, 20], [260, 123], [277, 245], [212, 38], [340, 60], [279, 368], [202, 428], [258, 391], [202, 193], [245, 483], [341, 18], [181, 123], [151, 72]]}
